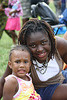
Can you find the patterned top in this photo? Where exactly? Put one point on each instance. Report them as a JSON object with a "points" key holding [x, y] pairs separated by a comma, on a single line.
{"points": [[18, 7], [26, 89]]}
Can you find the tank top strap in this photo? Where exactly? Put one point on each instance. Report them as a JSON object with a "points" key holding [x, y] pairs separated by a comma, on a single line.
{"points": [[9, 76]]}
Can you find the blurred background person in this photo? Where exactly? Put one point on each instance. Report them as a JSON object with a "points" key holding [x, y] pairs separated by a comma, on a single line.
{"points": [[3, 19], [57, 4], [26, 6], [13, 12]]}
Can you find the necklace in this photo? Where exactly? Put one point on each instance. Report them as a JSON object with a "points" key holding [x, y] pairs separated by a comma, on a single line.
{"points": [[42, 68]]}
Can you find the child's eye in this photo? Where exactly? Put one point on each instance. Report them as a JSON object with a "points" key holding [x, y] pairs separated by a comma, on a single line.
{"points": [[18, 61], [25, 61]]}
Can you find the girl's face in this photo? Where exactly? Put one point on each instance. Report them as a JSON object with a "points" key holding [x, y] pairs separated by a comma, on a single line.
{"points": [[20, 63], [39, 45]]}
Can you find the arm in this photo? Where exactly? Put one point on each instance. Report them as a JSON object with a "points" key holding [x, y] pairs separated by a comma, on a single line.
{"points": [[62, 48], [16, 8], [9, 88], [7, 72], [15, 11]]}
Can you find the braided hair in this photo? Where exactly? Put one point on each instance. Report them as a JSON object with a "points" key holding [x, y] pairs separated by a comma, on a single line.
{"points": [[20, 48], [35, 25]]}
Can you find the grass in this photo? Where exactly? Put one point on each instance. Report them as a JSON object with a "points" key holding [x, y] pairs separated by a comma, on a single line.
{"points": [[5, 45], [52, 6]]}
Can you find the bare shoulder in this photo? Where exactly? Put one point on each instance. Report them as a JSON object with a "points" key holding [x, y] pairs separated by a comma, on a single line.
{"points": [[11, 81], [62, 47], [9, 88]]}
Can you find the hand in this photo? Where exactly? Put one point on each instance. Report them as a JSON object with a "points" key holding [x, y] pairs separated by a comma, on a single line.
{"points": [[11, 12], [14, 11]]}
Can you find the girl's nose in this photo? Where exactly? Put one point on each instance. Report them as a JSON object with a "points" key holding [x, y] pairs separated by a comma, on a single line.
{"points": [[39, 48], [22, 64]]}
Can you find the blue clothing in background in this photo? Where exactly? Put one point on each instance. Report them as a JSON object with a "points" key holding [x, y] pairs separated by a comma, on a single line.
{"points": [[63, 5], [64, 72], [63, 20]]}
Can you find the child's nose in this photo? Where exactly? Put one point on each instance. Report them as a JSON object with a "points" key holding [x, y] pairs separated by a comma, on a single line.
{"points": [[22, 64]]}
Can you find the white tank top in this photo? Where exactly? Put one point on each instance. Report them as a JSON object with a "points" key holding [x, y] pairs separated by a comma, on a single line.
{"points": [[52, 70]]}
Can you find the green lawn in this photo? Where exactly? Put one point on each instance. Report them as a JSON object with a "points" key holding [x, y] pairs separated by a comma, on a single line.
{"points": [[52, 6], [5, 45]]}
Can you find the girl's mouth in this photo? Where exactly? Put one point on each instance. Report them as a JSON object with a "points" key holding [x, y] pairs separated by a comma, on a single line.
{"points": [[21, 71], [41, 55]]}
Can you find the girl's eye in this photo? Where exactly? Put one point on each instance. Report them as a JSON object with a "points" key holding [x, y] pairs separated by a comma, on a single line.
{"points": [[25, 61], [18, 61], [33, 46], [44, 42]]}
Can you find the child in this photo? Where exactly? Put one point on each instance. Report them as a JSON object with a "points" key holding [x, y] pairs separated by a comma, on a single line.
{"points": [[14, 11], [18, 85]]}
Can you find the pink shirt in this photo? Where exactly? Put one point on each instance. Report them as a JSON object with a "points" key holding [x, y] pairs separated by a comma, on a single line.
{"points": [[19, 8]]}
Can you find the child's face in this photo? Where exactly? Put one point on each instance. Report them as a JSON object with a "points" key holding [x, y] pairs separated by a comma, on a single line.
{"points": [[39, 45], [20, 63]]}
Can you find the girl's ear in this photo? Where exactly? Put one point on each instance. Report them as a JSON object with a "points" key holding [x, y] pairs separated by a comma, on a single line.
{"points": [[10, 65]]}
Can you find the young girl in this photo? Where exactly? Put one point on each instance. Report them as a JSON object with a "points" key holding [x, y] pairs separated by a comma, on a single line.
{"points": [[18, 85], [14, 11]]}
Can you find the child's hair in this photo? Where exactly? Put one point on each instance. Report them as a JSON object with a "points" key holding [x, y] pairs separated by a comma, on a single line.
{"points": [[34, 25], [20, 47]]}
